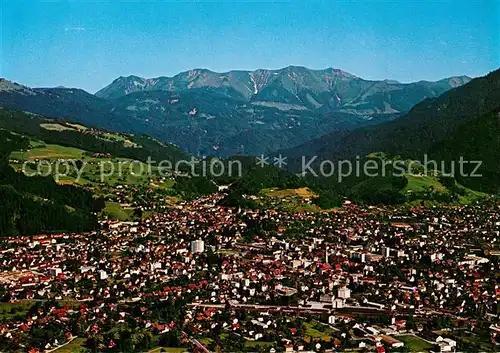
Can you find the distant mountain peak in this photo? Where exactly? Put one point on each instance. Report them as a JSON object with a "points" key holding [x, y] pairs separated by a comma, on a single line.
{"points": [[456, 81], [340, 72], [263, 109], [293, 68], [242, 81], [293, 87]]}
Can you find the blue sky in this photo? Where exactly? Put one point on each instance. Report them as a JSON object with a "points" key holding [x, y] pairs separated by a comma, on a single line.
{"points": [[89, 44]]}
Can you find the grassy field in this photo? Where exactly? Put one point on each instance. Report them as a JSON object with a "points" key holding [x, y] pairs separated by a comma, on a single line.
{"points": [[21, 308], [109, 136], [282, 193], [420, 183], [166, 184], [116, 137], [74, 346], [205, 341], [119, 171], [415, 344], [290, 200], [11, 310], [114, 171], [253, 344], [318, 330], [56, 127], [168, 350], [116, 211], [310, 331], [48, 152], [77, 126], [471, 197]]}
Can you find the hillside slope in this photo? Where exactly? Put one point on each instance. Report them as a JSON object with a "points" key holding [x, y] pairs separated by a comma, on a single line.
{"points": [[452, 125], [138, 147], [427, 123], [475, 140], [239, 112], [327, 89], [32, 205]]}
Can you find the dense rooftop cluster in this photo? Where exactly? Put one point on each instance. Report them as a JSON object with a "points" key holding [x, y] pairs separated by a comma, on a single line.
{"points": [[207, 277]]}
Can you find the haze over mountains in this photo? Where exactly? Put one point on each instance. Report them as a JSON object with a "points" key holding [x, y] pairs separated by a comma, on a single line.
{"points": [[238, 112]]}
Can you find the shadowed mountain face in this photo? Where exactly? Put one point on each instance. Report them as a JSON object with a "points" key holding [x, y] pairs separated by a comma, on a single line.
{"points": [[426, 124], [294, 87], [463, 122], [238, 112]]}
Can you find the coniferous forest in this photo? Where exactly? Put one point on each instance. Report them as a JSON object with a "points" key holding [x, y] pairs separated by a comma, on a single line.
{"points": [[32, 205]]}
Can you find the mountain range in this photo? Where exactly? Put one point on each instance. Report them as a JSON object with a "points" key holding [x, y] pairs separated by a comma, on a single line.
{"points": [[237, 112], [294, 88], [461, 123]]}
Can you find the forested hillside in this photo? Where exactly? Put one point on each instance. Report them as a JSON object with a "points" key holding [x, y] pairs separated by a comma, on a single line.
{"points": [[138, 147], [32, 205], [459, 123], [238, 112]]}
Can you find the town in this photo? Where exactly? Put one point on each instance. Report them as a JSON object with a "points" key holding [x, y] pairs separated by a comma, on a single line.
{"points": [[202, 277]]}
